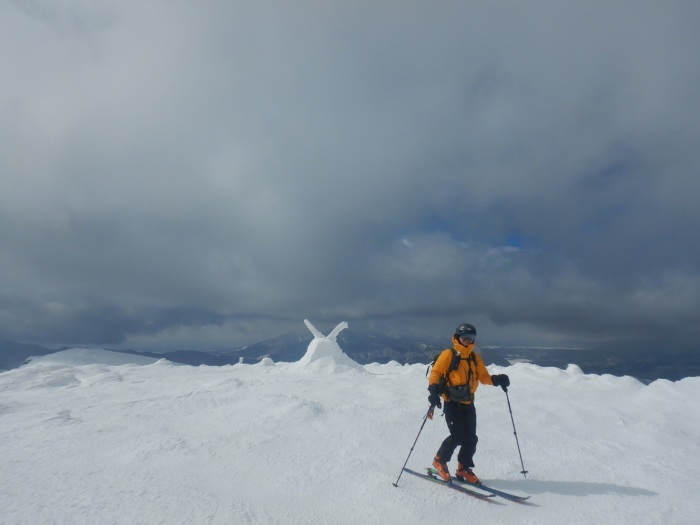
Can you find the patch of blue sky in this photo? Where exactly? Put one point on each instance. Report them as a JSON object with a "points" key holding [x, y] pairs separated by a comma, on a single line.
{"points": [[517, 239]]}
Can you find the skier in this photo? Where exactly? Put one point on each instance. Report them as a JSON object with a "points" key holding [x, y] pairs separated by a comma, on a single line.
{"points": [[460, 369]]}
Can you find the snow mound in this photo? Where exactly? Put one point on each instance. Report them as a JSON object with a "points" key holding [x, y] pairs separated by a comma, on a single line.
{"points": [[92, 356], [574, 370], [325, 355], [266, 361]]}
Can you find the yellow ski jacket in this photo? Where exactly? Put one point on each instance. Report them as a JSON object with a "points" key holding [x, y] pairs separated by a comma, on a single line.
{"points": [[441, 368]]}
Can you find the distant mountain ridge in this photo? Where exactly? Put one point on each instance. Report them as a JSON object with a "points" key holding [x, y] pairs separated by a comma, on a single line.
{"points": [[13, 355], [637, 359]]}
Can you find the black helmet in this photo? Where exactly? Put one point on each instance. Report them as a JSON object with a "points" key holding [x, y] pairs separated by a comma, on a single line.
{"points": [[466, 330]]}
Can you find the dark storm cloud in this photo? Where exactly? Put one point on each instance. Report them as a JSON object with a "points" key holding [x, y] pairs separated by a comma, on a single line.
{"points": [[94, 322], [218, 171]]}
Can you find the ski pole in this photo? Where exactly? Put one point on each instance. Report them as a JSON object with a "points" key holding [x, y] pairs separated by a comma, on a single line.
{"points": [[515, 433], [428, 415]]}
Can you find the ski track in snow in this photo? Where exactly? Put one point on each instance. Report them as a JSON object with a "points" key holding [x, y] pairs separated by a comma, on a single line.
{"points": [[153, 443]]}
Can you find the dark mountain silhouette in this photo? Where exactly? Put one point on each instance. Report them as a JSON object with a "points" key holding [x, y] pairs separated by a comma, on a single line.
{"points": [[643, 359], [14, 354]]}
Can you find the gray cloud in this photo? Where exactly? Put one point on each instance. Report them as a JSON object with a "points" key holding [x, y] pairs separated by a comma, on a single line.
{"points": [[213, 174]]}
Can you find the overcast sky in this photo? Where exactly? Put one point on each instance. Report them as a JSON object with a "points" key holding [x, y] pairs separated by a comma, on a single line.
{"points": [[202, 174]]}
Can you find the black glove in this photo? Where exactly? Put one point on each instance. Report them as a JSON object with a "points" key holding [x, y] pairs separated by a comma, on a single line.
{"points": [[500, 380], [434, 397]]}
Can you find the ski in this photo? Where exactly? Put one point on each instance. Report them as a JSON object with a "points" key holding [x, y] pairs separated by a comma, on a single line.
{"points": [[506, 495], [458, 488], [495, 492]]}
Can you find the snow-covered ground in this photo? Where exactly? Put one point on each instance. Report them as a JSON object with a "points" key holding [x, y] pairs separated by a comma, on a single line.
{"points": [[93, 437]]}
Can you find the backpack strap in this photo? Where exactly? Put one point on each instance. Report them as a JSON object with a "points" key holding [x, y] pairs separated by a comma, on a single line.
{"points": [[437, 356], [471, 358], [454, 364]]}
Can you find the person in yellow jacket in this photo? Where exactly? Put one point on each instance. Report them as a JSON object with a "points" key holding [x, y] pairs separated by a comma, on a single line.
{"points": [[461, 370]]}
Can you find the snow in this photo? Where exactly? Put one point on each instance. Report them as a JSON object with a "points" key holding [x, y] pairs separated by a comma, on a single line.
{"points": [[325, 355], [88, 437], [90, 356]]}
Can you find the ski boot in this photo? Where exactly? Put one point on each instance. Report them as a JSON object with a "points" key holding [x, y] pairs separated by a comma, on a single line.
{"points": [[441, 467], [466, 474]]}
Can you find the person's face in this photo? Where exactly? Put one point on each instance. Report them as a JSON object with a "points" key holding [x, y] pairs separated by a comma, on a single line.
{"points": [[466, 339]]}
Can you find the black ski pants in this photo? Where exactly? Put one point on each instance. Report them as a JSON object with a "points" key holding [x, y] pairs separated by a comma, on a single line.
{"points": [[461, 421]]}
